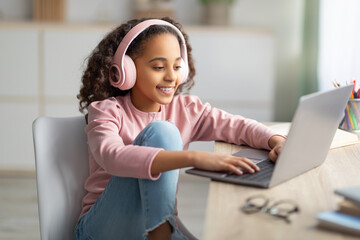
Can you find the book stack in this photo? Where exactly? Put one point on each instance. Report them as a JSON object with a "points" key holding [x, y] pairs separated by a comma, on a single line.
{"points": [[347, 217]]}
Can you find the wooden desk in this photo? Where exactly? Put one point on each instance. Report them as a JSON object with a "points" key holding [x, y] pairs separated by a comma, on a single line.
{"points": [[313, 191]]}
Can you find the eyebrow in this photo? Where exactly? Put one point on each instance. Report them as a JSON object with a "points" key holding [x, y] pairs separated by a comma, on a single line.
{"points": [[162, 59]]}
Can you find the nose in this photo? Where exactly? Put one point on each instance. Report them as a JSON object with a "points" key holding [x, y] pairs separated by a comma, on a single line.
{"points": [[171, 75]]}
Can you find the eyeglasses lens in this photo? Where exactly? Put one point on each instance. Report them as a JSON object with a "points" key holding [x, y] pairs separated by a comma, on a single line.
{"points": [[254, 204], [283, 209]]}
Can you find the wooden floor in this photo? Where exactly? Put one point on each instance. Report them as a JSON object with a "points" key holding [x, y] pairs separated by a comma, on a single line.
{"points": [[19, 216], [18, 208]]}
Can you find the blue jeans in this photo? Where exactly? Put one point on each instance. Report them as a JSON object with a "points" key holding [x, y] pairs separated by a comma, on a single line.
{"points": [[129, 208]]}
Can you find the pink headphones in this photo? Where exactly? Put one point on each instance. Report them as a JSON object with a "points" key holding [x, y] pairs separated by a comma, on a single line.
{"points": [[122, 66]]}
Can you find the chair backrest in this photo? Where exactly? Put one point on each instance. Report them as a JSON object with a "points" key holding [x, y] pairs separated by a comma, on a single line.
{"points": [[61, 157]]}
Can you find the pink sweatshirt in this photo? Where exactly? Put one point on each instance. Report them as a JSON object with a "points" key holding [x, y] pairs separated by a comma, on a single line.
{"points": [[115, 123]]}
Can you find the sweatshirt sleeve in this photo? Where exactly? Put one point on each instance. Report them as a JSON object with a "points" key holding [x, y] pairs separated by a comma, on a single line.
{"points": [[215, 124], [107, 147]]}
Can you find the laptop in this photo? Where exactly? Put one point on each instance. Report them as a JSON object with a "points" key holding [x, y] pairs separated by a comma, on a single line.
{"points": [[312, 130]]}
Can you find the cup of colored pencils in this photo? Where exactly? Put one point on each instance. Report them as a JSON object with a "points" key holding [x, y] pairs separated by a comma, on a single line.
{"points": [[351, 120]]}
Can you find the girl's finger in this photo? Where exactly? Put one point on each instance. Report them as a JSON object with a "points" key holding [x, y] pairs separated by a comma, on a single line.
{"points": [[273, 155], [233, 169], [247, 164]]}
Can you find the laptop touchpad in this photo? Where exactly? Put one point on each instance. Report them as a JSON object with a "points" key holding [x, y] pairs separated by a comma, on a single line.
{"points": [[256, 155]]}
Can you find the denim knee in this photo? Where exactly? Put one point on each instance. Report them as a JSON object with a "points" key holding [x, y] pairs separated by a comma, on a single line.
{"points": [[161, 134]]}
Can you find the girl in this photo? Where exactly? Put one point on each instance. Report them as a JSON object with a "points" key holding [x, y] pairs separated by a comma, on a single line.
{"points": [[139, 128]]}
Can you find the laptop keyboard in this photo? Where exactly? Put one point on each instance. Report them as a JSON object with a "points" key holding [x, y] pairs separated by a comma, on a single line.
{"points": [[266, 170]]}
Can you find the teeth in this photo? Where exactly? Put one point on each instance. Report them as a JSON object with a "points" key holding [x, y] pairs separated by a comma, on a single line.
{"points": [[165, 89]]}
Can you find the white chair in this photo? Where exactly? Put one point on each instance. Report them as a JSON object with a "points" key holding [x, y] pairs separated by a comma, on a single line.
{"points": [[62, 166]]}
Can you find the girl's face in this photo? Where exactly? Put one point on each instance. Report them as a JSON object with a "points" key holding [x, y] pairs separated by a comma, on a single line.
{"points": [[157, 73]]}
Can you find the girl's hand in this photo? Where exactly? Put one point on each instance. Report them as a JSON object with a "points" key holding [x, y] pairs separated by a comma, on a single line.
{"points": [[222, 162], [276, 143]]}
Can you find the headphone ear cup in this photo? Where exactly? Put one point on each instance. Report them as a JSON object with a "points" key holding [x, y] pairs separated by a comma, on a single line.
{"points": [[114, 75], [184, 71], [129, 77]]}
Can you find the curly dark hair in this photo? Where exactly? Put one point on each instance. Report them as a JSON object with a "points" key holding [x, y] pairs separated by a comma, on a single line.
{"points": [[95, 79]]}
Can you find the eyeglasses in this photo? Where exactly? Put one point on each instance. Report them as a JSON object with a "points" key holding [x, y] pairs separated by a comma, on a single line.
{"points": [[281, 209]]}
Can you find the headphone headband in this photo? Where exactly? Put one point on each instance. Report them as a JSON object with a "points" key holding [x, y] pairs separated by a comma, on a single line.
{"points": [[119, 61]]}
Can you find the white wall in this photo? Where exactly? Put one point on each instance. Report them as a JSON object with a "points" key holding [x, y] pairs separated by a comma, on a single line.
{"points": [[339, 48], [15, 9], [46, 80], [283, 17]]}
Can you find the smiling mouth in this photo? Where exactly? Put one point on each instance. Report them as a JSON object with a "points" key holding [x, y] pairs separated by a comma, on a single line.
{"points": [[166, 90]]}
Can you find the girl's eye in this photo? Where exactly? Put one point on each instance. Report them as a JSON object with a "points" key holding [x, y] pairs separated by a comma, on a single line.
{"points": [[158, 68], [177, 67]]}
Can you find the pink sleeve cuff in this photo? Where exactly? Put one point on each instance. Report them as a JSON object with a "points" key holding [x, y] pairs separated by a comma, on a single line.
{"points": [[151, 176]]}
